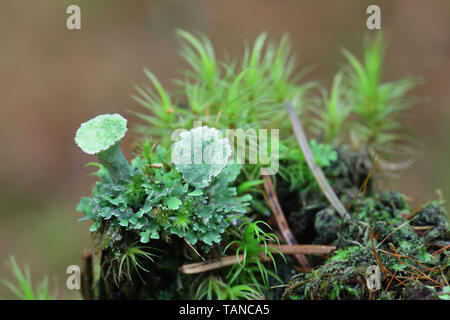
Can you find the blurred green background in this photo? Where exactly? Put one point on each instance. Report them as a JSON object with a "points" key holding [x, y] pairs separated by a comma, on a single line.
{"points": [[52, 79]]}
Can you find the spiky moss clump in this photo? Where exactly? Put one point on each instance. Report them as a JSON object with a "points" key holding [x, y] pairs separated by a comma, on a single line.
{"points": [[403, 254]]}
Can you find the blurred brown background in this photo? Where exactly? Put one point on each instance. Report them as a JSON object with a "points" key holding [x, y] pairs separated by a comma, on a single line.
{"points": [[52, 79]]}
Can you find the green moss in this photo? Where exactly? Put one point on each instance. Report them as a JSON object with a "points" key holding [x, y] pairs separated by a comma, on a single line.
{"points": [[159, 208], [327, 225], [433, 214], [342, 276], [419, 291]]}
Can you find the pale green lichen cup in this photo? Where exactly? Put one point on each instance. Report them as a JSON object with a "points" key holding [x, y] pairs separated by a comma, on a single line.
{"points": [[101, 136]]}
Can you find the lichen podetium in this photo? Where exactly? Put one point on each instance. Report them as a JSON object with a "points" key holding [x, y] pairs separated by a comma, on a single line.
{"points": [[102, 136]]}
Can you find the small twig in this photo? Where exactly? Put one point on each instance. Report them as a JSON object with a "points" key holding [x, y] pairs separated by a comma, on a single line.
{"points": [[291, 288], [445, 278], [382, 267], [315, 169], [208, 265], [395, 250], [313, 249], [377, 258], [156, 165], [213, 264], [422, 275], [280, 218], [441, 249], [279, 286], [389, 284], [407, 257], [422, 228]]}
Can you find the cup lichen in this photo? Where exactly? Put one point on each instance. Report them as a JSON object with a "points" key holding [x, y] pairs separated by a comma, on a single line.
{"points": [[101, 136]]}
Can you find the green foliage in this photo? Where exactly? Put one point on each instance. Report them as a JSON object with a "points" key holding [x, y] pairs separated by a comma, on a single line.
{"points": [[24, 289], [214, 288], [253, 245], [324, 154], [199, 53], [249, 93], [361, 109], [339, 290], [342, 255], [296, 171], [245, 94], [332, 118], [165, 117], [249, 278], [131, 258], [377, 104], [157, 203]]}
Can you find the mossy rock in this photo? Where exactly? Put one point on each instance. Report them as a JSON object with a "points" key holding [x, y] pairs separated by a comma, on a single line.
{"points": [[379, 225]]}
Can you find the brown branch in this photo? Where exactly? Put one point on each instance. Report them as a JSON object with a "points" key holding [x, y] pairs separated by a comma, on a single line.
{"points": [[212, 264], [314, 249], [226, 261], [280, 218]]}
